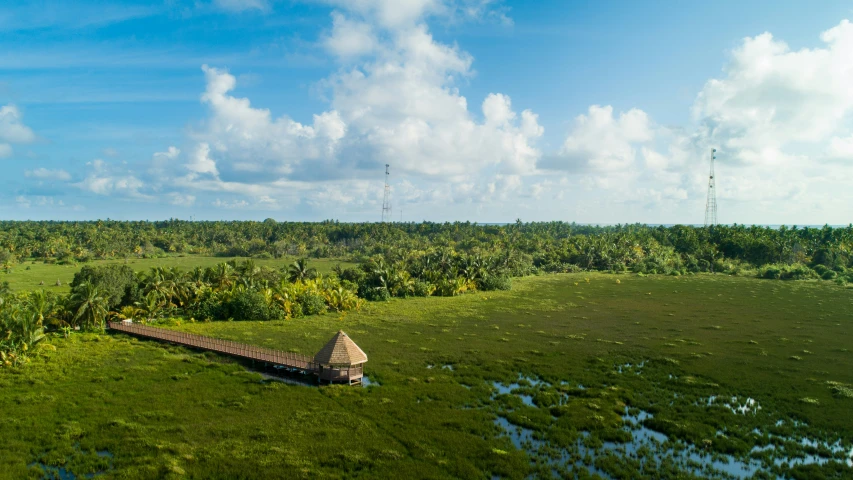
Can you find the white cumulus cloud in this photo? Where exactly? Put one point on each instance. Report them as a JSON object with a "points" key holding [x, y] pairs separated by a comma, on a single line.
{"points": [[392, 14], [107, 180], [12, 130], [200, 162], [181, 200], [249, 138], [600, 141], [349, 38], [403, 107], [773, 98]]}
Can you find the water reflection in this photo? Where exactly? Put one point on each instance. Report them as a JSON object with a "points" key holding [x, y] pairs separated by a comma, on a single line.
{"points": [[522, 385], [61, 473], [637, 369], [646, 445], [750, 405]]}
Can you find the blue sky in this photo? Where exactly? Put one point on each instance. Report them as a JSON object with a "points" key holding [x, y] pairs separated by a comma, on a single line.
{"points": [[486, 110]]}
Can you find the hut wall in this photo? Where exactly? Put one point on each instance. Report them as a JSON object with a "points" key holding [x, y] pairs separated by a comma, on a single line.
{"points": [[341, 374]]}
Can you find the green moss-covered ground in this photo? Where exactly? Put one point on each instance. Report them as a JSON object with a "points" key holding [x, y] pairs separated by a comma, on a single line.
{"points": [[167, 411], [29, 274]]}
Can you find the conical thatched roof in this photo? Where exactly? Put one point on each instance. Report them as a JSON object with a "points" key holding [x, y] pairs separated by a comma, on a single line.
{"points": [[340, 351]]}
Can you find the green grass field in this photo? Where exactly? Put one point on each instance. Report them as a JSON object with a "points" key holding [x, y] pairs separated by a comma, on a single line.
{"points": [[28, 275], [164, 411]]}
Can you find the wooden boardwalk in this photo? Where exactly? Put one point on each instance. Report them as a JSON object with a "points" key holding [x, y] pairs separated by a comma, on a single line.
{"points": [[293, 361]]}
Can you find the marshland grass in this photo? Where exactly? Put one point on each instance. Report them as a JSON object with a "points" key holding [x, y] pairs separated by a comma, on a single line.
{"points": [[166, 411]]}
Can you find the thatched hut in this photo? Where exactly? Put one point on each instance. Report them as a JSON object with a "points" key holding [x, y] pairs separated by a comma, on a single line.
{"points": [[341, 360]]}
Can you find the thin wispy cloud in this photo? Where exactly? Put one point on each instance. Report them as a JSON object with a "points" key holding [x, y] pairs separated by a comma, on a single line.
{"points": [[19, 17]]}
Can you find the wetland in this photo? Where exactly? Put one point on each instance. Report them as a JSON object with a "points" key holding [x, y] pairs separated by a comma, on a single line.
{"points": [[567, 375]]}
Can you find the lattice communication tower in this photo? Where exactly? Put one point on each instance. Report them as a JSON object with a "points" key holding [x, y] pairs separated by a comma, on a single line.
{"points": [[386, 202], [711, 204]]}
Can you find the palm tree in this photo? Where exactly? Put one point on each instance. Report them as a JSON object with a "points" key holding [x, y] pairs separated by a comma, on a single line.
{"points": [[127, 312], [31, 330], [299, 271], [90, 307], [40, 305], [222, 275], [338, 270], [284, 295], [249, 270], [150, 306]]}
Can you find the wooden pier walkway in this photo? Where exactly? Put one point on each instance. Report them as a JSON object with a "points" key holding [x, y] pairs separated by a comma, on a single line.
{"points": [[290, 360]]}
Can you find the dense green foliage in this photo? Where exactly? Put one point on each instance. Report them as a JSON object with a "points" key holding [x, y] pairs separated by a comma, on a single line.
{"points": [[226, 291], [22, 320], [245, 291], [551, 247], [168, 412], [117, 283]]}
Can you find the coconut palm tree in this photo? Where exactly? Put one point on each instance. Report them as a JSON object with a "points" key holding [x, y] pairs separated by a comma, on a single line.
{"points": [[300, 272], [39, 303], [89, 306], [221, 275], [151, 306], [127, 312]]}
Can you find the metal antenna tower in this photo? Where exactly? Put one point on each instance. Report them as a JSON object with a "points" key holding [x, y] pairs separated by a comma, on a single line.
{"points": [[386, 202], [711, 204]]}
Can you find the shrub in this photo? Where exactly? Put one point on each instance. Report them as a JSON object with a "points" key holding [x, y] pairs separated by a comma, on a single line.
{"points": [[771, 273], [828, 275], [311, 302], [248, 305], [563, 267], [354, 275], [423, 289], [496, 282], [233, 251], [373, 294], [6, 256], [296, 310], [798, 271], [208, 309]]}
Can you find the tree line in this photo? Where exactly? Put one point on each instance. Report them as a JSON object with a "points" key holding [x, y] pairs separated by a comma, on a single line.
{"points": [[548, 243]]}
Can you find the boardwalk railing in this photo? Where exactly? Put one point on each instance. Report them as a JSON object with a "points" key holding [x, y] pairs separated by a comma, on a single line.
{"points": [[242, 350]]}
